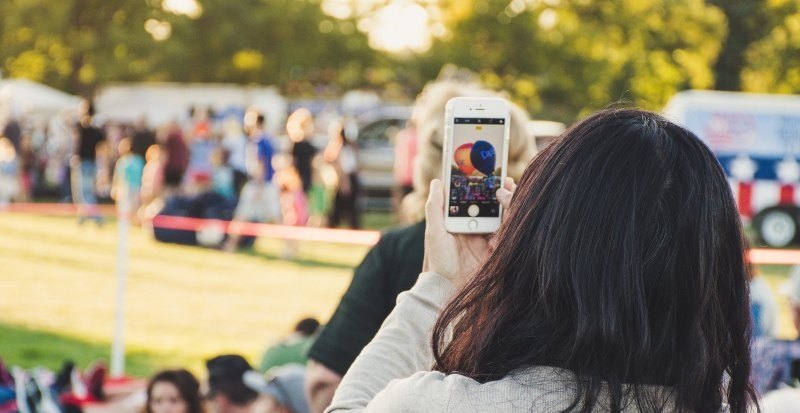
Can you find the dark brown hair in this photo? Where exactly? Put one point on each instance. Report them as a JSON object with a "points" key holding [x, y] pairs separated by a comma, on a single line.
{"points": [[185, 382], [622, 260]]}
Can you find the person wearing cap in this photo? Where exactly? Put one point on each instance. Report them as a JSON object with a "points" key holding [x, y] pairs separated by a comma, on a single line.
{"points": [[227, 392], [281, 391]]}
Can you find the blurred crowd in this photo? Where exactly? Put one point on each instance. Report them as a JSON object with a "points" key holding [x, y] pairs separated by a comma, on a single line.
{"points": [[293, 180], [307, 175], [232, 385]]}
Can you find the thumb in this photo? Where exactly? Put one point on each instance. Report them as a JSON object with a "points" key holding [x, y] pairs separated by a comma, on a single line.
{"points": [[434, 207]]}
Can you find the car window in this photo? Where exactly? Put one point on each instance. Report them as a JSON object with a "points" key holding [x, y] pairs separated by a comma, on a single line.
{"points": [[380, 133]]}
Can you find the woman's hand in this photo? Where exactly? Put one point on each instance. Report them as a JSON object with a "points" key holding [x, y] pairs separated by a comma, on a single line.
{"points": [[455, 256]]}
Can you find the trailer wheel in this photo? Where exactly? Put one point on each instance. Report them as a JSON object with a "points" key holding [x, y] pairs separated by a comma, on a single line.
{"points": [[776, 227]]}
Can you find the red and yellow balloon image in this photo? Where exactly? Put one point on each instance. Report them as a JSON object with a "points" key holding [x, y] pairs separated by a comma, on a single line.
{"points": [[462, 158]]}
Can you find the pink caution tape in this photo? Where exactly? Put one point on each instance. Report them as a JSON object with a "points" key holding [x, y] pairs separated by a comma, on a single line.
{"points": [[340, 236]]}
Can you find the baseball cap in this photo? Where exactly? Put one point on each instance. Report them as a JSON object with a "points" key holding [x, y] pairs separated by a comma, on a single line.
{"points": [[284, 384]]}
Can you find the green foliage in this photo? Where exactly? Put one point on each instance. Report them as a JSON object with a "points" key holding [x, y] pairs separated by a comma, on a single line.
{"points": [[559, 58], [773, 63], [74, 44], [562, 59], [747, 21], [79, 44]]}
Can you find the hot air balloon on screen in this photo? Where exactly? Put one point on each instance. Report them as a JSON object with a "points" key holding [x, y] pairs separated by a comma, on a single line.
{"points": [[483, 157], [462, 158]]}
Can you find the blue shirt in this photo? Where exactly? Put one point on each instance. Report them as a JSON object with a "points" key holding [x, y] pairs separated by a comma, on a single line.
{"points": [[265, 152]]}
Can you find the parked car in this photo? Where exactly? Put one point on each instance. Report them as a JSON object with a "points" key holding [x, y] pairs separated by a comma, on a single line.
{"points": [[757, 140], [377, 129]]}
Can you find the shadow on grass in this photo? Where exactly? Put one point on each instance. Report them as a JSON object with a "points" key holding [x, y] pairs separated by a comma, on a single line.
{"points": [[301, 261], [27, 348]]}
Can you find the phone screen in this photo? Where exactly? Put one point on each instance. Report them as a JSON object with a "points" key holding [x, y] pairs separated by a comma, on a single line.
{"points": [[475, 167]]}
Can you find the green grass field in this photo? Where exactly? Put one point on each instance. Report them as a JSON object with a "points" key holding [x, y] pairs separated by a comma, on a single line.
{"points": [[183, 304]]}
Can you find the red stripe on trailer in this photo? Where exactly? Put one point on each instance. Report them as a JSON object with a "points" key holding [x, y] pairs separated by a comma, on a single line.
{"points": [[787, 194], [745, 199]]}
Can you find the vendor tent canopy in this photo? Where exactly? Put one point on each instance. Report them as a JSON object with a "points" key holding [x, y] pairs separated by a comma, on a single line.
{"points": [[34, 100]]}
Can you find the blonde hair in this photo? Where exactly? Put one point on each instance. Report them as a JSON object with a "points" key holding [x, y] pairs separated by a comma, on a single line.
{"points": [[428, 115]]}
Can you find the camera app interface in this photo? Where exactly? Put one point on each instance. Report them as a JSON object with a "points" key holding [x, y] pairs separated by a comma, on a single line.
{"points": [[475, 167]]}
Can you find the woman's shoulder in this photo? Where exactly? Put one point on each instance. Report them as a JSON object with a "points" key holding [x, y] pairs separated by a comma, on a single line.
{"points": [[438, 392]]}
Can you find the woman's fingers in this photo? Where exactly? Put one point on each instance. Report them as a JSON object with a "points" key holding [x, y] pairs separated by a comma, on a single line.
{"points": [[508, 183], [504, 197], [505, 193]]}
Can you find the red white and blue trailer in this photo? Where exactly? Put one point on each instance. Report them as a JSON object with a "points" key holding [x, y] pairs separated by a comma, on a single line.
{"points": [[756, 138]]}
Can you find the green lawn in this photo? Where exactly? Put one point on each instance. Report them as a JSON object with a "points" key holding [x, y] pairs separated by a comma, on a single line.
{"points": [[183, 304]]}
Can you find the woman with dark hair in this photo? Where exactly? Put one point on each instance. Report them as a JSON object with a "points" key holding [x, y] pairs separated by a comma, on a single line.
{"points": [[173, 391], [617, 282]]}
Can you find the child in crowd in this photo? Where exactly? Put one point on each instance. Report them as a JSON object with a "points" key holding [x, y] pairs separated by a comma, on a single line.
{"points": [[127, 180], [293, 200], [152, 174], [104, 175], [222, 180], [294, 205], [323, 189], [9, 172]]}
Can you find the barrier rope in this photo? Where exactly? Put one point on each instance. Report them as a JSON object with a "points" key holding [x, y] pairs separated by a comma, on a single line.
{"points": [[286, 232]]}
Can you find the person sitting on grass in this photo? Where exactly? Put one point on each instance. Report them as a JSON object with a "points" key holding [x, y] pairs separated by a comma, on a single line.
{"points": [[173, 391], [292, 349], [227, 392]]}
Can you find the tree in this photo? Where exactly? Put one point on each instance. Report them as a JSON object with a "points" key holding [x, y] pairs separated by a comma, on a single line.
{"points": [[74, 44], [563, 59], [286, 42], [747, 22], [772, 64]]}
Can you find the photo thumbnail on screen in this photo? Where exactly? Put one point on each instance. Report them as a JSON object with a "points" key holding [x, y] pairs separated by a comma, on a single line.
{"points": [[475, 170]]}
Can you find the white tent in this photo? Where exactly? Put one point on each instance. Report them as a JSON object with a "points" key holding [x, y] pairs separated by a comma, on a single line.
{"points": [[34, 100], [160, 103]]}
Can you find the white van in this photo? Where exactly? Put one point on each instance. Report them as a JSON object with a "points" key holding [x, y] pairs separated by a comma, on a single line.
{"points": [[757, 140]]}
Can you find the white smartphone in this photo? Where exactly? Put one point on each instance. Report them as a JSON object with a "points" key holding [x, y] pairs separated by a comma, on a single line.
{"points": [[475, 159]]}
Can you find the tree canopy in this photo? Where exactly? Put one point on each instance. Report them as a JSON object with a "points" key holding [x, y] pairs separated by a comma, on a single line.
{"points": [[559, 58]]}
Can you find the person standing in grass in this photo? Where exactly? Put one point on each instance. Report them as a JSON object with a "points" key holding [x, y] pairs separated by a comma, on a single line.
{"points": [[9, 172], [127, 182], [84, 165], [259, 200]]}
